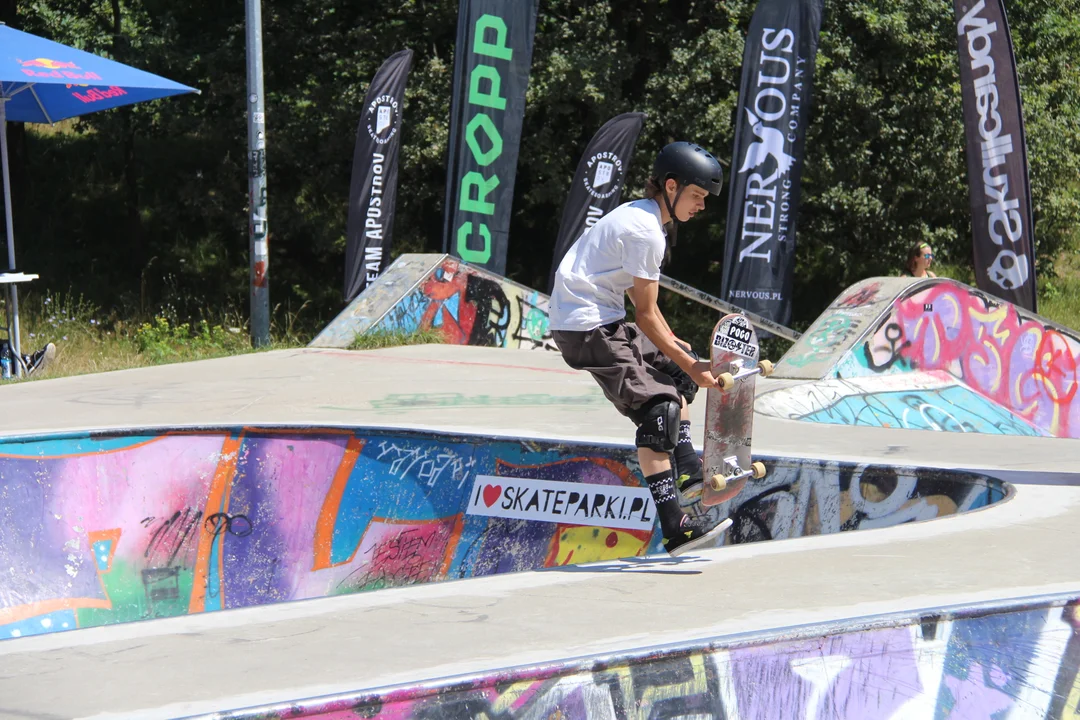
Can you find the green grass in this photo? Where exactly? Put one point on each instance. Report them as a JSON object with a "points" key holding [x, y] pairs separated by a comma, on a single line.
{"points": [[1059, 297], [393, 338], [89, 340]]}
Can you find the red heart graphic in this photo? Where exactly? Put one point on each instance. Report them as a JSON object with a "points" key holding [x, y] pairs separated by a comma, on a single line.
{"points": [[491, 494]]}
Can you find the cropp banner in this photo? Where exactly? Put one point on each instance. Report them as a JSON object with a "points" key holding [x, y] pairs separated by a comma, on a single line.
{"points": [[598, 182], [767, 161], [1001, 215], [491, 73], [373, 188]]}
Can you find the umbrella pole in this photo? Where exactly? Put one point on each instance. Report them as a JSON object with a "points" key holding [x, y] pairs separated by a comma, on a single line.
{"points": [[13, 310]]}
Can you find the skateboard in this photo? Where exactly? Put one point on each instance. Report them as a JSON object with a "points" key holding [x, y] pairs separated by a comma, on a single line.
{"points": [[729, 411]]}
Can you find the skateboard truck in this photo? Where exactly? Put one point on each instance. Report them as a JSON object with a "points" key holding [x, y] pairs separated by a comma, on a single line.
{"points": [[726, 380], [731, 464]]}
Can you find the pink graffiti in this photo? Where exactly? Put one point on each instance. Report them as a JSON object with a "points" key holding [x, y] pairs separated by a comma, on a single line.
{"points": [[404, 553], [860, 296], [1014, 361]]}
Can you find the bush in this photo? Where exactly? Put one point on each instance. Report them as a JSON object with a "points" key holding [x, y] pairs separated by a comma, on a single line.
{"points": [[165, 341]]}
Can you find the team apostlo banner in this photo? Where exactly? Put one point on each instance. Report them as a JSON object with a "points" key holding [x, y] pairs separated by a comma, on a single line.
{"points": [[767, 161], [373, 188], [491, 72], [1001, 222], [598, 182]]}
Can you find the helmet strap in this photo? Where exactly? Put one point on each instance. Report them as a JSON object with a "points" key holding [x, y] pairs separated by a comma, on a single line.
{"points": [[673, 232]]}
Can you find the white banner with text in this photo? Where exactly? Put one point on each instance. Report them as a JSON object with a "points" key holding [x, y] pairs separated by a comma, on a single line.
{"points": [[612, 506]]}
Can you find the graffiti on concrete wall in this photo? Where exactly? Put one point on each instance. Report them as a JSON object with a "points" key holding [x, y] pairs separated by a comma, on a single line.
{"points": [[467, 305], [1008, 662], [104, 529], [826, 338], [470, 307], [127, 528], [818, 497], [841, 325], [963, 361], [917, 401], [1018, 362]]}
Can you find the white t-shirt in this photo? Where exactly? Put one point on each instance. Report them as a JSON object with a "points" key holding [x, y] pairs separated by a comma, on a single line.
{"points": [[601, 265]]}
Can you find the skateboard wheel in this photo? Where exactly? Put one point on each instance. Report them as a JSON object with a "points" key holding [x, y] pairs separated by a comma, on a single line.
{"points": [[766, 368], [718, 482], [725, 380], [758, 469]]}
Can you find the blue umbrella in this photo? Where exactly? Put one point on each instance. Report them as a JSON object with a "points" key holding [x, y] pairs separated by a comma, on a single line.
{"points": [[43, 82]]}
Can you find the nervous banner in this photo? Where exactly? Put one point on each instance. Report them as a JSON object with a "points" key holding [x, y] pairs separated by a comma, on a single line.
{"points": [[766, 164]]}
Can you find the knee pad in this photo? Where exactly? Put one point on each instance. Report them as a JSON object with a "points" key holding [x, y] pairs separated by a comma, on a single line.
{"points": [[659, 426]]}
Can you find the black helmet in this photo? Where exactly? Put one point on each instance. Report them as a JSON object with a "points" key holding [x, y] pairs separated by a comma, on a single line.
{"points": [[689, 164]]}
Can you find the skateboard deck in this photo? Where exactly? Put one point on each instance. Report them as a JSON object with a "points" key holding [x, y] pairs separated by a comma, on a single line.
{"points": [[729, 412]]}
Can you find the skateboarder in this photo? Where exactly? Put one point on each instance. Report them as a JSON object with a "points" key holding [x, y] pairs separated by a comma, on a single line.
{"points": [[644, 370]]}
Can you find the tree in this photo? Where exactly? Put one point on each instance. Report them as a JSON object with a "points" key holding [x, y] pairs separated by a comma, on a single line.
{"points": [[147, 207]]}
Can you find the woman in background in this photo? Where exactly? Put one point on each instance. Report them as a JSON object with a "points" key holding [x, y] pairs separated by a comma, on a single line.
{"points": [[918, 261]]}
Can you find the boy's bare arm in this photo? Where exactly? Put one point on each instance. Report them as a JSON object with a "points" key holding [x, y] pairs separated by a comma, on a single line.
{"points": [[633, 301], [651, 322]]}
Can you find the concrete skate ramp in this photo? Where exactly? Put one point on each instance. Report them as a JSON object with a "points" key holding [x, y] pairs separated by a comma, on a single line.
{"points": [[1015, 660], [969, 615], [106, 528], [467, 305], [930, 354]]}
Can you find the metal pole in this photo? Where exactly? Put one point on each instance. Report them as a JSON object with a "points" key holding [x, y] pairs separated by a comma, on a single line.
{"points": [[257, 228], [13, 291], [717, 304]]}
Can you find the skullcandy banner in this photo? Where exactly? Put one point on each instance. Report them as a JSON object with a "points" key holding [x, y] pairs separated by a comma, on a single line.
{"points": [[373, 188], [491, 72], [770, 133], [598, 182], [1001, 221]]}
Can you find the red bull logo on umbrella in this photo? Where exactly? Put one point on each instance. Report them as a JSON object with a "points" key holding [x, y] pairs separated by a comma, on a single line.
{"points": [[45, 68], [50, 64], [95, 95]]}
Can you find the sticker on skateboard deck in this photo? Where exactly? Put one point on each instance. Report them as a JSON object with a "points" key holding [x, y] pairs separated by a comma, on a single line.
{"points": [[729, 412]]}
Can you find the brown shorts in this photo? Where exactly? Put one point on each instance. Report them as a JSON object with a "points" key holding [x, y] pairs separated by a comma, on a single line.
{"points": [[629, 368]]}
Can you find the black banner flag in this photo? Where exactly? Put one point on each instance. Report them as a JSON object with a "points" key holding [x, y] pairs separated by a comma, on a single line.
{"points": [[766, 164], [598, 182], [1001, 221], [373, 188], [491, 72]]}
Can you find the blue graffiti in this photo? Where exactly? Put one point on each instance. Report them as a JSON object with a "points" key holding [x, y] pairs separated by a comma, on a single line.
{"points": [[950, 409]]}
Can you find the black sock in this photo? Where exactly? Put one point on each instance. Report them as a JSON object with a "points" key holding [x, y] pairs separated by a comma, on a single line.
{"points": [[662, 487], [687, 461]]}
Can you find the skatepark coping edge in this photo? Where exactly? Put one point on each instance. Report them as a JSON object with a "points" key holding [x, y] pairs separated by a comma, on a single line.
{"points": [[432, 690]]}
